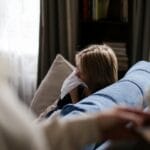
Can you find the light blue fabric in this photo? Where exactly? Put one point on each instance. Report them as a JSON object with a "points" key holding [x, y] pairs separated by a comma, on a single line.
{"points": [[130, 91]]}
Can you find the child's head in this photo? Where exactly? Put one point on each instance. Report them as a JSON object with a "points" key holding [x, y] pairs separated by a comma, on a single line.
{"points": [[97, 66]]}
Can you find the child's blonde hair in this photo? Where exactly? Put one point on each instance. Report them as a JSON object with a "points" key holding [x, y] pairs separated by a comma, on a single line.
{"points": [[99, 65]]}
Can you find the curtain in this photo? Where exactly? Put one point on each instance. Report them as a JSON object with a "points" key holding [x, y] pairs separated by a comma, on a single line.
{"points": [[19, 37], [140, 30], [58, 26]]}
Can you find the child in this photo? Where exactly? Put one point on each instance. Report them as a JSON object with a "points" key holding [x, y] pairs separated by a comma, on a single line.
{"points": [[96, 68]]}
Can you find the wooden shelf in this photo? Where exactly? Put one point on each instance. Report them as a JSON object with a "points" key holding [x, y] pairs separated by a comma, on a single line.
{"points": [[110, 28], [100, 31]]}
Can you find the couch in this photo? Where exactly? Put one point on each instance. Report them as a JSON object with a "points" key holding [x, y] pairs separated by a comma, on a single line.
{"points": [[130, 91]]}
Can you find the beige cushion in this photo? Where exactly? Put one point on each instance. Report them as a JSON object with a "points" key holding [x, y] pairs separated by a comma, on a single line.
{"points": [[49, 89]]}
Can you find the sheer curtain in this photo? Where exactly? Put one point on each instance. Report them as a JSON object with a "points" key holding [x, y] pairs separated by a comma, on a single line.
{"points": [[19, 36]]}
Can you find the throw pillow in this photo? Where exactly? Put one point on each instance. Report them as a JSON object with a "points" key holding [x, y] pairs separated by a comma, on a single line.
{"points": [[49, 89]]}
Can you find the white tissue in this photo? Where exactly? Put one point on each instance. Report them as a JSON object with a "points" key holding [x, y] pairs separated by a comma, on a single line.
{"points": [[71, 82]]}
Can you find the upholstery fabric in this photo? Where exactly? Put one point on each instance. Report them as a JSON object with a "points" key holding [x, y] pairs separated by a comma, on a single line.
{"points": [[49, 89]]}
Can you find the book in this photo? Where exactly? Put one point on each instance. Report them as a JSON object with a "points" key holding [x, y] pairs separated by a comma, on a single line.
{"points": [[85, 10], [100, 9]]}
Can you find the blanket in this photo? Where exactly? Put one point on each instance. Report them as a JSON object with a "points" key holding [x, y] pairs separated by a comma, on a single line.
{"points": [[129, 91]]}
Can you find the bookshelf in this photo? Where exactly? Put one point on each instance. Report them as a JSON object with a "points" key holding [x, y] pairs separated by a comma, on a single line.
{"points": [[105, 21]]}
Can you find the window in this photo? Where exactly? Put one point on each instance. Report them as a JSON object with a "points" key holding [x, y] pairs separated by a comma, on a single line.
{"points": [[19, 36]]}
